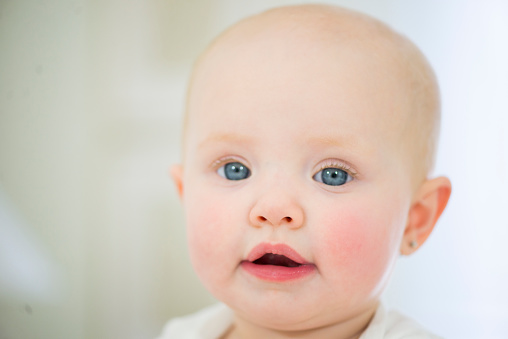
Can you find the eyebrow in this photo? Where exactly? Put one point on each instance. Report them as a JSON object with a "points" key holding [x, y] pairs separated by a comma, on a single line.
{"points": [[347, 141], [344, 141], [226, 138]]}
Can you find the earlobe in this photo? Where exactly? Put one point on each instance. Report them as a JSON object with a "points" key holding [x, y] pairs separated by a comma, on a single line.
{"points": [[176, 172], [430, 201]]}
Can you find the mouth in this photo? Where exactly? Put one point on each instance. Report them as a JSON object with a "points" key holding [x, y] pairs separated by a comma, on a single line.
{"points": [[276, 263], [276, 260]]}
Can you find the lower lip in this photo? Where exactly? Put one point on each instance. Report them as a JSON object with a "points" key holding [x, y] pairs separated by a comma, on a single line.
{"points": [[278, 273]]}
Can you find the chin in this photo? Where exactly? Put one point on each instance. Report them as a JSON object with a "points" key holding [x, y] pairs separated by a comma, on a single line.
{"points": [[278, 315]]}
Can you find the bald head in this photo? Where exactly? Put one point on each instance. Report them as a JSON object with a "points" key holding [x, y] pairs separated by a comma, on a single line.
{"points": [[289, 39]]}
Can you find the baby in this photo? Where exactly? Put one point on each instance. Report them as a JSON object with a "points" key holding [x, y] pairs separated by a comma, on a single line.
{"points": [[309, 134]]}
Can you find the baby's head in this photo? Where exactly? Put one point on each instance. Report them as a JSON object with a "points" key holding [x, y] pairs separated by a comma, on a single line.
{"points": [[309, 135]]}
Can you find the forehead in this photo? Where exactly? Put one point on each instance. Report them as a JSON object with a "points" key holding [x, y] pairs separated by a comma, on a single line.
{"points": [[300, 86]]}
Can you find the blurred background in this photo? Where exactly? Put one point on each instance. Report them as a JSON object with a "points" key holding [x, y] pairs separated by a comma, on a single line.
{"points": [[92, 240]]}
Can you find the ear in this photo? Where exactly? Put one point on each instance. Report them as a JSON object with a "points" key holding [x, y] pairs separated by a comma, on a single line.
{"points": [[176, 172], [426, 208]]}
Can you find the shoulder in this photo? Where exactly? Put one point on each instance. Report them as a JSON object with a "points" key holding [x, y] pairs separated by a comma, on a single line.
{"points": [[401, 326], [394, 325], [209, 322]]}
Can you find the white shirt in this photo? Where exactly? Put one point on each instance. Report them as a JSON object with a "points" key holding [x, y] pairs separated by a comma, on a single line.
{"points": [[212, 322]]}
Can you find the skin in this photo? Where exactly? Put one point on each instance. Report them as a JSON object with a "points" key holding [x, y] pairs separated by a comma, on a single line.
{"points": [[288, 93]]}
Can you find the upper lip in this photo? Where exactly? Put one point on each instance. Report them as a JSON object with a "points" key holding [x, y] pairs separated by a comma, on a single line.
{"points": [[280, 249]]}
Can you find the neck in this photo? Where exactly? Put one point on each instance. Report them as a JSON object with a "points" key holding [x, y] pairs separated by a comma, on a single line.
{"points": [[349, 329]]}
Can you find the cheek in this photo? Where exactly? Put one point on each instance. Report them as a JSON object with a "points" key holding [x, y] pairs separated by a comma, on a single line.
{"points": [[360, 244], [212, 236], [203, 227]]}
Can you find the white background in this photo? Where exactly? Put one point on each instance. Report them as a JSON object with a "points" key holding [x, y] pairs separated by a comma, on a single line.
{"points": [[92, 242]]}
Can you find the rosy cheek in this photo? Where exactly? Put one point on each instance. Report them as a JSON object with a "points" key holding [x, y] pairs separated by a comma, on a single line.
{"points": [[203, 227], [357, 245], [210, 228]]}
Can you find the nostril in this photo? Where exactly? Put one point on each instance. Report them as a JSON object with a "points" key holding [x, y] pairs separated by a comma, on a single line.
{"points": [[262, 220]]}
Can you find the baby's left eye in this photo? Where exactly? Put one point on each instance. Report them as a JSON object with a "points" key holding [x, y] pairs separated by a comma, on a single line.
{"points": [[332, 176]]}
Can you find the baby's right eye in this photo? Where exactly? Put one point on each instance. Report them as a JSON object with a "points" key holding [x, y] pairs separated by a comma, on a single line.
{"points": [[234, 171]]}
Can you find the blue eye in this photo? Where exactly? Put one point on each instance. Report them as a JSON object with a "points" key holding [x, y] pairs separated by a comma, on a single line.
{"points": [[332, 176], [234, 171]]}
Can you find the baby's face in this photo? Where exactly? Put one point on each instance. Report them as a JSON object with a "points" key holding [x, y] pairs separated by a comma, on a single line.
{"points": [[294, 149]]}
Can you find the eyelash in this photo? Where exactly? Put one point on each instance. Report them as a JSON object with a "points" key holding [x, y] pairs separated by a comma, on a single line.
{"points": [[223, 161], [331, 163]]}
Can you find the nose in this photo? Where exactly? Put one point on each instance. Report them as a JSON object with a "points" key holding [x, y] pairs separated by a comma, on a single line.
{"points": [[276, 210]]}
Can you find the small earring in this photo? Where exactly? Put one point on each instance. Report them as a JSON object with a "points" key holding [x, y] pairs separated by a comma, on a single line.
{"points": [[413, 244]]}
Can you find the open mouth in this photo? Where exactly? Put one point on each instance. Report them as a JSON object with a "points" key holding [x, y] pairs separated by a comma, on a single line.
{"points": [[277, 263], [276, 260]]}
